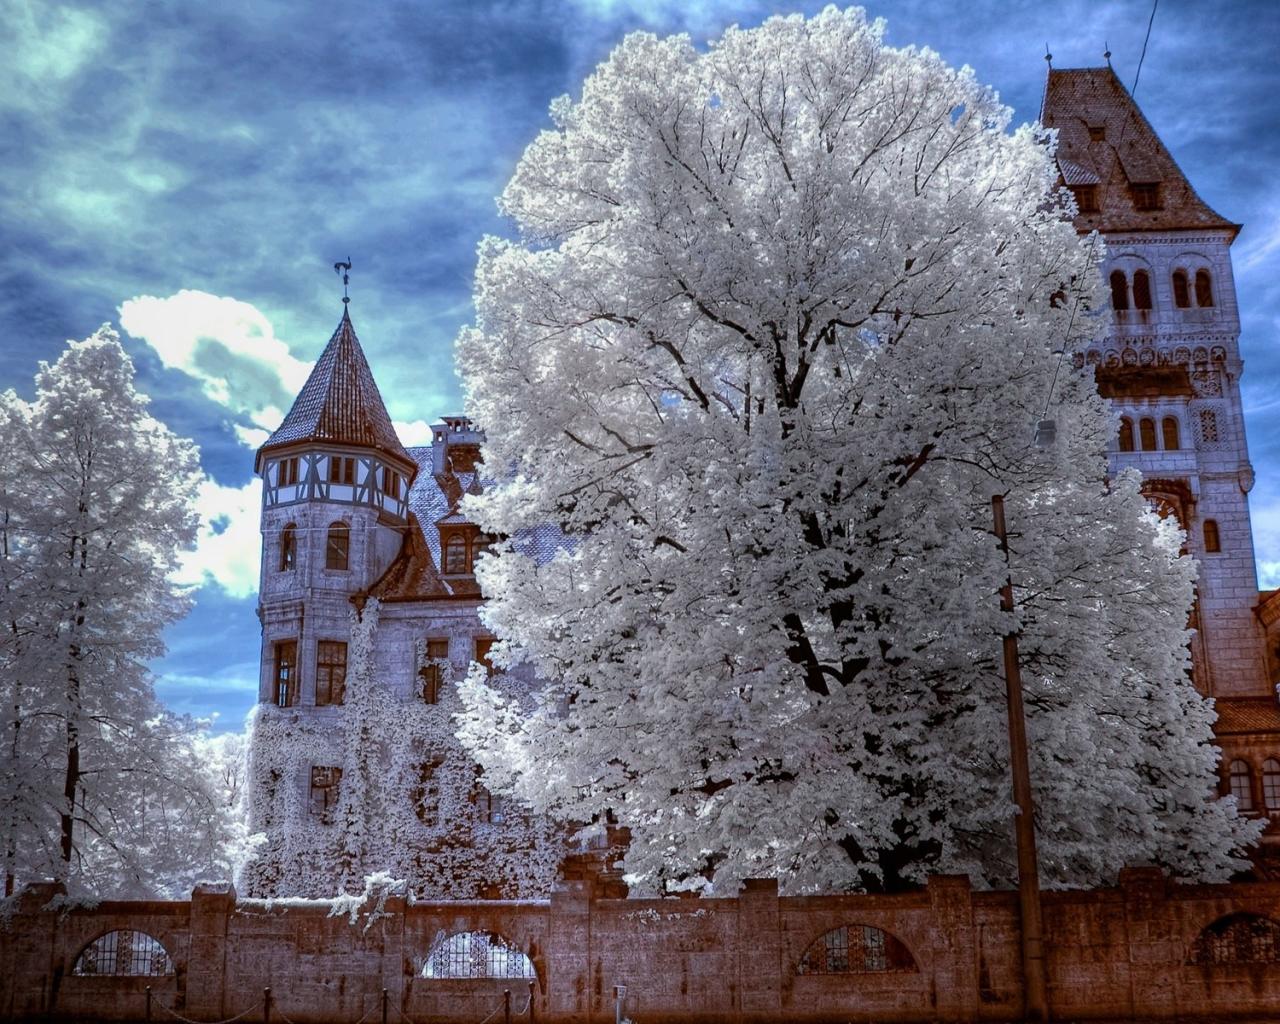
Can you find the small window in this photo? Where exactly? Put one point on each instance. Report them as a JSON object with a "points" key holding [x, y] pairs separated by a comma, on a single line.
{"points": [[1181, 290], [124, 953], [391, 482], [1086, 197], [1126, 434], [1147, 433], [288, 474], [337, 550], [1169, 430], [1146, 196], [1240, 779], [483, 645], [1212, 542], [288, 548], [342, 469], [1208, 426], [1141, 290], [438, 650], [331, 672], [455, 554], [1097, 132], [1204, 289], [325, 783], [1271, 784], [426, 794], [1119, 290], [432, 673], [286, 673], [488, 806]]}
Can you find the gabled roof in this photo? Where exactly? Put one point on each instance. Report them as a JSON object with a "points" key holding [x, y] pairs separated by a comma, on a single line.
{"points": [[1128, 153], [339, 403]]}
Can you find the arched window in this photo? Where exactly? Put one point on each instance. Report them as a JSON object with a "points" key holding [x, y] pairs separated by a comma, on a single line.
{"points": [[337, 551], [1212, 542], [1119, 290], [1181, 290], [855, 949], [1141, 290], [1271, 784], [476, 955], [455, 554], [1126, 434], [1169, 428], [1240, 938], [124, 954], [1147, 432], [1204, 289], [288, 547], [1240, 779]]}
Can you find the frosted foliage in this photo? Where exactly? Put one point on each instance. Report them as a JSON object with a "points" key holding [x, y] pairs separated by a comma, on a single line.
{"points": [[430, 831], [779, 325], [101, 787]]}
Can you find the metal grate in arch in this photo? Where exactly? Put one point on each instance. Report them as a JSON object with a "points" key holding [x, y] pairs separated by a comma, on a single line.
{"points": [[856, 949], [124, 953], [476, 955]]}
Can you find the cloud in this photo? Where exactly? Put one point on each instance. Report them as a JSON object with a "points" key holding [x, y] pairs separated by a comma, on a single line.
{"points": [[228, 549]]}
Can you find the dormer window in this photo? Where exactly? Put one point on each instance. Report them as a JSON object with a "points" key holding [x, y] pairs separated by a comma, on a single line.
{"points": [[455, 555], [391, 482], [1145, 195], [342, 469], [288, 472], [1086, 198]]}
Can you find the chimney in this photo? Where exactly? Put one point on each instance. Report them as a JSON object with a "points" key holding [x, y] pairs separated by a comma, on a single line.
{"points": [[455, 445]]}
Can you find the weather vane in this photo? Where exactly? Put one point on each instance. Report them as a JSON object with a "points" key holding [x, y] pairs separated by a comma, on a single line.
{"points": [[1106, 47], [345, 270], [1048, 57]]}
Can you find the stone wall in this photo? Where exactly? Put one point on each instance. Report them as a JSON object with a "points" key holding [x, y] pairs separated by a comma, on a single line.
{"points": [[1114, 954]]}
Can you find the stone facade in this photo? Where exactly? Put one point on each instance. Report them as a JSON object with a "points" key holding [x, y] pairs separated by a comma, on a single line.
{"points": [[1143, 951]]}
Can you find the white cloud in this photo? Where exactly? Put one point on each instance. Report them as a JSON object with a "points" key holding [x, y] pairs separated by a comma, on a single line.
{"points": [[228, 346], [415, 432], [228, 549]]}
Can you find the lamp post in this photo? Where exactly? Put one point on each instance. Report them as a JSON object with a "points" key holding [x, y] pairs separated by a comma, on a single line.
{"points": [[1033, 966]]}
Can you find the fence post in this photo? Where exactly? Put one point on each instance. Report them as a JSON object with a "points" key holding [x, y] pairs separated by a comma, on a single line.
{"points": [[266, 1005], [506, 1006], [530, 1006], [384, 1006], [148, 1004]]}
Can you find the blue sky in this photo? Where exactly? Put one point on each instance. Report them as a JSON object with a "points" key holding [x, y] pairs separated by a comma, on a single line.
{"points": [[192, 171]]}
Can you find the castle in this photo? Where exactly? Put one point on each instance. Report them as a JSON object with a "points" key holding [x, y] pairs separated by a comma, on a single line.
{"points": [[368, 555]]}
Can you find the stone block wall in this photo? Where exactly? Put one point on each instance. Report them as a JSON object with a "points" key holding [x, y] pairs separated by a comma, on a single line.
{"points": [[1123, 953]]}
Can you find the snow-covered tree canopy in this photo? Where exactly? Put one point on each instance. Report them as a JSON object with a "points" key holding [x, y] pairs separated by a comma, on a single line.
{"points": [[781, 321]]}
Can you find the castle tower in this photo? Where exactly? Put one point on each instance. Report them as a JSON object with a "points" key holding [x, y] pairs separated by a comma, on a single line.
{"points": [[1170, 361]]}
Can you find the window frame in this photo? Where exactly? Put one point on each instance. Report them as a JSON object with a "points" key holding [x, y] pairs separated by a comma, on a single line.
{"points": [[1119, 282], [1147, 433], [328, 789], [1170, 434], [1126, 435], [337, 547], [288, 548], [455, 541], [1143, 299], [285, 683], [1240, 783], [331, 674], [1181, 289], [1203, 289], [1212, 537]]}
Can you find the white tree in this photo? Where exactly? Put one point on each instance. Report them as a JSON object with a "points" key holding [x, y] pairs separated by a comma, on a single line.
{"points": [[103, 788], [781, 320]]}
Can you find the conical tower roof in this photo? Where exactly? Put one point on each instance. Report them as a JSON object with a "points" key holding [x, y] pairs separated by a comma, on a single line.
{"points": [[1105, 141], [339, 404]]}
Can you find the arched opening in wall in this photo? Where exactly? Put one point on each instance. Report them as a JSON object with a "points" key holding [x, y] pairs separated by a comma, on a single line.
{"points": [[1212, 542], [1271, 784], [856, 949], [1126, 434], [476, 955], [455, 555], [1204, 289], [1240, 784], [1169, 428], [288, 547], [1240, 938], [1141, 290], [337, 549], [1119, 290], [1147, 432], [1181, 290], [124, 953]]}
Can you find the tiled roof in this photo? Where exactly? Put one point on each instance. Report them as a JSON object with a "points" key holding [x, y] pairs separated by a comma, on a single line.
{"points": [[339, 403], [1238, 715], [1128, 153]]}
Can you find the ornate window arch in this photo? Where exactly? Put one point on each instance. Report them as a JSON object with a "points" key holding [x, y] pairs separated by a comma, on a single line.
{"points": [[1119, 290], [124, 954], [1240, 938], [1169, 433], [1141, 290], [476, 955], [1147, 433], [288, 547], [337, 548], [856, 949], [1204, 289], [1181, 290]]}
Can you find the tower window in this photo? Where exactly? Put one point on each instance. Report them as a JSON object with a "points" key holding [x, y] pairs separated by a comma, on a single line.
{"points": [[338, 547], [1097, 132], [1271, 784], [1126, 434], [484, 644], [286, 673], [390, 482], [342, 469], [331, 672], [1141, 290], [288, 472], [288, 547], [1204, 289], [455, 554], [325, 783], [1146, 196], [1212, 541], [1240, 781], [1119, 290], [1169, 428], [1181, 290], [432, 673], [1147, 432]]}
